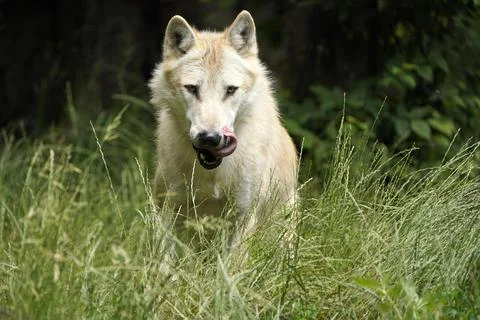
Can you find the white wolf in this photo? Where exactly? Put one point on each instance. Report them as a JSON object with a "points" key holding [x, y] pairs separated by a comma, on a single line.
{"points": [[216, 108]]}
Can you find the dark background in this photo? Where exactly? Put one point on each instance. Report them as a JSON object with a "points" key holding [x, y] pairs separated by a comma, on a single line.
{"points": [[414, 66]]}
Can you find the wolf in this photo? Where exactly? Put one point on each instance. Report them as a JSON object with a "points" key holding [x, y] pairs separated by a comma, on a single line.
{"points": [[219, 136]]}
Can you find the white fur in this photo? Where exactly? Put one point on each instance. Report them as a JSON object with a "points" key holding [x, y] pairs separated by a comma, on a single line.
{"points": [[262, 169]]}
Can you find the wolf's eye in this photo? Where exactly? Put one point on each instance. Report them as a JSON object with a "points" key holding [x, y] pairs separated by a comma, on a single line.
{"points": [[231, 90], [193, 89]]}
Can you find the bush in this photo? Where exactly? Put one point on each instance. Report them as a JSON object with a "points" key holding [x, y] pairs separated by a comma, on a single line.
{"points": [[80, 237], [424, 96]]}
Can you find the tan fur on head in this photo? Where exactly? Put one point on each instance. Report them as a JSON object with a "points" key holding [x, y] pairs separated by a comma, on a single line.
{"points": [[241, 34], [192, 89], [181, 37]]}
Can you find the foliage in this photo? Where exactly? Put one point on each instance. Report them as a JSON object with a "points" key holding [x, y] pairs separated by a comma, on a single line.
{"points": [[80, 237], [417, 62], [424, 96]]}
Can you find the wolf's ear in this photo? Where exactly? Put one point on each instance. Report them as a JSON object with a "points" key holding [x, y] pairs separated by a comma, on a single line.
{"points": [[179, 38], [242, 34]]}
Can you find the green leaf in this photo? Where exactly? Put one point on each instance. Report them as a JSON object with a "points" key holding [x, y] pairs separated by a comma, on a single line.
{"points": [[458, 101], [410, 66], [396, 70], [402, 111], [309, 138], [362, 125], [408, 79], [400, 30], [418, 112], [426, 72], [476, 101], [441, 141], [401, 126], [368, 284], [421, 128], [442, 125], [439, 61], [320, 90], [134, 100]]}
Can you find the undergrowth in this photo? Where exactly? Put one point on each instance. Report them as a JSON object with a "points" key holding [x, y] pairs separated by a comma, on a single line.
{"points": [[82, 238]]}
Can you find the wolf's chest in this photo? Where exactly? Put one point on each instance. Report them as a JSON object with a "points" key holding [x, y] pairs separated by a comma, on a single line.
{"points": [[209, 188]]}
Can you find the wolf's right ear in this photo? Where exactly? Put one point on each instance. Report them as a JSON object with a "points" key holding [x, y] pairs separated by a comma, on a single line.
{"points": [[242, 34], [179, 38]]}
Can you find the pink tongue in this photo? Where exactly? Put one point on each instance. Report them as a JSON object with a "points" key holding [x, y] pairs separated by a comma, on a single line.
{"points": [[228, 133], [228, 148]]}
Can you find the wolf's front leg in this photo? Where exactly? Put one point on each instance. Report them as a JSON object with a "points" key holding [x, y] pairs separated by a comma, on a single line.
{"points": [[245, 225]]}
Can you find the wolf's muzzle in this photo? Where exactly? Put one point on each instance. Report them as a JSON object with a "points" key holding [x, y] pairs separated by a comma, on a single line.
{"points": [[212, 147], [209, 139]]}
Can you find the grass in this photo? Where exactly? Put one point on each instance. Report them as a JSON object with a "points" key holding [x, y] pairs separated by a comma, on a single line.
{"points": [[81, 238]]}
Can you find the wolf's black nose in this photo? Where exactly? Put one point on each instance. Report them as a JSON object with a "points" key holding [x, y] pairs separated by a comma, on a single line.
{"points": [[209, 139]]}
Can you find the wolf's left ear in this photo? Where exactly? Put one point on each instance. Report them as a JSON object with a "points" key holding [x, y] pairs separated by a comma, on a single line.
{"points": [[179, 37], [242, 34]]}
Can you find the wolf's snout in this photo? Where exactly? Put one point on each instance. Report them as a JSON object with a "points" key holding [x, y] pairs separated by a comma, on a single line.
{"points": [[209, 139], [212, 146]]}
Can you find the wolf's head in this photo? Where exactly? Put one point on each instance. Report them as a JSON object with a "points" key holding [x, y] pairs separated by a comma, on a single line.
{"points": [[207, 80]]}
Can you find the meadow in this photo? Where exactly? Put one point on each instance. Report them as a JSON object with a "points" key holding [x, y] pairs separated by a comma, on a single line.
{"points": [[81, 237]]}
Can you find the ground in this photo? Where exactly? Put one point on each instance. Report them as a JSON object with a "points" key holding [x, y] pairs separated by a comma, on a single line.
{"points": [[82, 238]]}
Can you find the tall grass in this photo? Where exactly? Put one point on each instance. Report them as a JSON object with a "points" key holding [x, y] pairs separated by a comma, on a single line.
{"points": [[82, 238]]}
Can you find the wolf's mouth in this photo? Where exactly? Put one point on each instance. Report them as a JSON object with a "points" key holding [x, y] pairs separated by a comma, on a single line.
{"points": [[207, 159], [211, 158]]}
